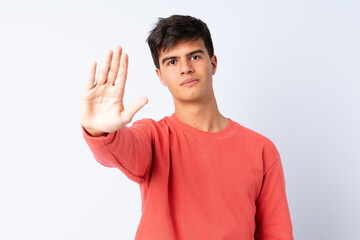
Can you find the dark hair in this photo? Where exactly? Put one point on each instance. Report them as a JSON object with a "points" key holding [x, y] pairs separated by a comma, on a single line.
{"points": [[169, 31]]}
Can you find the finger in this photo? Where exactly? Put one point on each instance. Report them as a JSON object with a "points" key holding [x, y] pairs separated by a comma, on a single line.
{"points": [[114, 66], [103, 73], [91, 77], [122, 74], [134, 107]]}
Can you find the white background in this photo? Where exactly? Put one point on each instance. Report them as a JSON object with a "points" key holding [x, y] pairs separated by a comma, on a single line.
{"points": [[289, 70]]}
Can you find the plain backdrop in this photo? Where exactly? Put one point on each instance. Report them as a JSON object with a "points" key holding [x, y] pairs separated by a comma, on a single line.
{"points": [[289, 70]]}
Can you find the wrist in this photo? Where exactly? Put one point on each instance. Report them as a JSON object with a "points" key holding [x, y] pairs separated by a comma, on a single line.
{"points": [[94, 133]]}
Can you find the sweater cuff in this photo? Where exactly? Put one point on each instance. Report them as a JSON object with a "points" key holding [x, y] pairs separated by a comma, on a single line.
{"points": [[98, 141]]}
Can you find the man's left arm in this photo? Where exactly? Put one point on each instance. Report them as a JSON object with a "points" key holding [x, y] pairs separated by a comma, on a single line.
{"points": [[273, 220]]}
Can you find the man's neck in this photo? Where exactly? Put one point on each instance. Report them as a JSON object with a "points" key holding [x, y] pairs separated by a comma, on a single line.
{"points": [[204, 115]]}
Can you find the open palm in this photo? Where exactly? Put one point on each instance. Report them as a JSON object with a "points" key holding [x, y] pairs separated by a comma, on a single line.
{"points": [[101, 107]]}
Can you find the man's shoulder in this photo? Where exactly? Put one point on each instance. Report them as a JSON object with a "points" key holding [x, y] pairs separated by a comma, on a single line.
{"points": [[161, 124], [257, 141], [150, 121], [250, 134]]}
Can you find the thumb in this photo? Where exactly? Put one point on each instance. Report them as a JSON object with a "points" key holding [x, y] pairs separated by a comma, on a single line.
{"points": [[133, 108]]}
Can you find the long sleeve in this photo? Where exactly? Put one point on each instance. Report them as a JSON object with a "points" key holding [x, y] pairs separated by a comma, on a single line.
{"points": [[128, 149], [272, 211]]}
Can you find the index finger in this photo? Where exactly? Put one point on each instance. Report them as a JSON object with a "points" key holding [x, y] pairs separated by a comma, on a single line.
{"points": [[91, 76]]}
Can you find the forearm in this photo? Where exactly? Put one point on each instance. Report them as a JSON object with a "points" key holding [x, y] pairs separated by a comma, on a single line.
{"points": [[124, 149]]}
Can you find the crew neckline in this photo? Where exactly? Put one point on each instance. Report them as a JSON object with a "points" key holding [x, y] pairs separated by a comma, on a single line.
{"points": [[229, 129]]}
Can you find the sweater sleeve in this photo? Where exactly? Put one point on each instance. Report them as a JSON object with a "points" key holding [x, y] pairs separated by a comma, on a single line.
{"points": [[273, 220], [128, 149]]}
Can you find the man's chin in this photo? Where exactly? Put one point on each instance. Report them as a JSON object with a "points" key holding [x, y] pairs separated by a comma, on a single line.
{"points": [[192, 99]]}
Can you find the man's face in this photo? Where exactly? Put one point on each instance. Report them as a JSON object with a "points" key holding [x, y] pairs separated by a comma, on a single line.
{"points": [[187, 70]]}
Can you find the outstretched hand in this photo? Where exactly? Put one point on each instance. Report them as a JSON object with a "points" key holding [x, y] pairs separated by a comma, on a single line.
{"points": [[101, 107]]}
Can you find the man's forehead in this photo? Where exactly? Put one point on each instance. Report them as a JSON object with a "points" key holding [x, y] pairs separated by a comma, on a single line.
{"points": [[183, 46]]}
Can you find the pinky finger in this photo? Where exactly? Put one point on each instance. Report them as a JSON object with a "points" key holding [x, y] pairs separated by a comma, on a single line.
{"points": [[91, 77]]}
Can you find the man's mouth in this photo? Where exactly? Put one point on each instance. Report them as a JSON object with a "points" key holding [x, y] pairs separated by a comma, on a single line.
{"points": [[189, 81]]}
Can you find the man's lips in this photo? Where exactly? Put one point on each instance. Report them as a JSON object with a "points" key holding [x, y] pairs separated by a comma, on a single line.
{"points": [[190, 80]]}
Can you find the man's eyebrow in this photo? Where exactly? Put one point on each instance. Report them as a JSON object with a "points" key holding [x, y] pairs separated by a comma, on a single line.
{"points": [[167, 58], [195, 52], [189, 54]]}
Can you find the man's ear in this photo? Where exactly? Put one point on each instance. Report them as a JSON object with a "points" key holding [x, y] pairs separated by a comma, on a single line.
{"points": [[158, 72], [214, 64]]}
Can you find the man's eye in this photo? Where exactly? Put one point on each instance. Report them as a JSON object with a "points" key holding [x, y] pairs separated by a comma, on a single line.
{"points": [[172, 62], [195, 57]]}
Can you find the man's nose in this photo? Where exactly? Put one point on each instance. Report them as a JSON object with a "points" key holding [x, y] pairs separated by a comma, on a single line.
{"points": [[186, 67]]}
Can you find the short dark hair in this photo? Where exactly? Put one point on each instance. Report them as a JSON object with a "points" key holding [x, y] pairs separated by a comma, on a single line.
{"points": [[171, 30]]}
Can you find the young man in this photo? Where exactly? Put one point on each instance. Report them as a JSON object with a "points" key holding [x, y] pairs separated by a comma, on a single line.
{"points": [[201, 175]]}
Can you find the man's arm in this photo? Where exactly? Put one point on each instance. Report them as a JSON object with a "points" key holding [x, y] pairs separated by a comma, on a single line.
{"points": [[128, 149], [273, 220], [103, 119]]}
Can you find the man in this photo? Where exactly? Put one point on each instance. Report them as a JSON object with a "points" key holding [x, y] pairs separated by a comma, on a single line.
{"points": [[201, 175]]}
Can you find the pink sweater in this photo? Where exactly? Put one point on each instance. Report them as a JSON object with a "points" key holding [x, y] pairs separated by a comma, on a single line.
{"points": [[200, 185]]}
